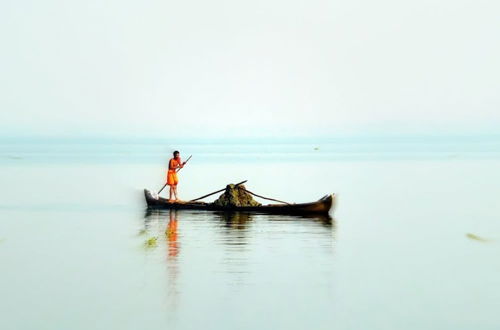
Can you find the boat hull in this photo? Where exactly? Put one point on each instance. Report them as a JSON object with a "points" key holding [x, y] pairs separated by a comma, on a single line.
{"points": [[322, 206]]}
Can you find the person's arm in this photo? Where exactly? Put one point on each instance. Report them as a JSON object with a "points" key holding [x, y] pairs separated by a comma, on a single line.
{"points": [[170, 166]]}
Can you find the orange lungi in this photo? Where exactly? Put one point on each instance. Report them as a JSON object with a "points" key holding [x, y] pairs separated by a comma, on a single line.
{"points": [[172, 179]]}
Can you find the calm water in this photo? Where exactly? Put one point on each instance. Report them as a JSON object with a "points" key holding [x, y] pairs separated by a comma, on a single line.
{"points": [[414, 242]]}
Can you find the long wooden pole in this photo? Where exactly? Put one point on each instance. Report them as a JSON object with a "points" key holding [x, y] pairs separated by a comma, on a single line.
{"points": [[215, 192], [271, 199], [175, 172]]}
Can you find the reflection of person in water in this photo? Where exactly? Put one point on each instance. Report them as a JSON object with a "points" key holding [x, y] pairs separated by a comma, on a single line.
{"points": [[171, 233], [172, 263]]}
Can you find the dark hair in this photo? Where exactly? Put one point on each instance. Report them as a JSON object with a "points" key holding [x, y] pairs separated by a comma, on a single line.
{"points": [[176, 152]]}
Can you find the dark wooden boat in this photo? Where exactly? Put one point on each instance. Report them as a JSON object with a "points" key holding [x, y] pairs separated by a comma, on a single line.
{"points": [[322, 206]]}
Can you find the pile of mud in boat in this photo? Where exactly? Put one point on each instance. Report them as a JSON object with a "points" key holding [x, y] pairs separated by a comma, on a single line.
{"points": [[236, 197]]}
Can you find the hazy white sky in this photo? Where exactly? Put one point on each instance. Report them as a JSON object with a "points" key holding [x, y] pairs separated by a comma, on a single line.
{"points": [[260, 67]]}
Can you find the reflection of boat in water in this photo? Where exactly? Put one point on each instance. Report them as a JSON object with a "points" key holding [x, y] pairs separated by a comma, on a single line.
{"points": [[239, 220], [236, 220], [230, 250], [322, 206]]}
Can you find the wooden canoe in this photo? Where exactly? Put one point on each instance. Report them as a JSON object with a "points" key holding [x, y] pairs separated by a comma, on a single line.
{"points": [[322, 206]]}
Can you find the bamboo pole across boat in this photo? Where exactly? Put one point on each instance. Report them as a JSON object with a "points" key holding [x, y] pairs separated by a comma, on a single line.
{"points": [[270, 199], [215, 192]]}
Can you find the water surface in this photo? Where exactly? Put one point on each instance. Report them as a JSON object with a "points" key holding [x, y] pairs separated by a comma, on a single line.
{"points": [[79, 249]]}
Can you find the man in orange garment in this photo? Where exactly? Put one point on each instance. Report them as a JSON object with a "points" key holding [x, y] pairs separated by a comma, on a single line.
{"points": [[174, 165]]}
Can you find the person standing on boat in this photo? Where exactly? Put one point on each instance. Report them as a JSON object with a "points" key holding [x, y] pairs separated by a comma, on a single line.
{"points": [[174, 164]]}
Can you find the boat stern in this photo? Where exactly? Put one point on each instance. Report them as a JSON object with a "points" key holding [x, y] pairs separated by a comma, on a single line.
{"points": [[327, 203]]}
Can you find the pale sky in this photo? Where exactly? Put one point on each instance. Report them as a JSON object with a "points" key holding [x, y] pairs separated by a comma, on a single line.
{"points": [[248, 68]]}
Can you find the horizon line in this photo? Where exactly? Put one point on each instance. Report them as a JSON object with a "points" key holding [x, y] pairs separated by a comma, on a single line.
{"points": [[67, 138]]}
